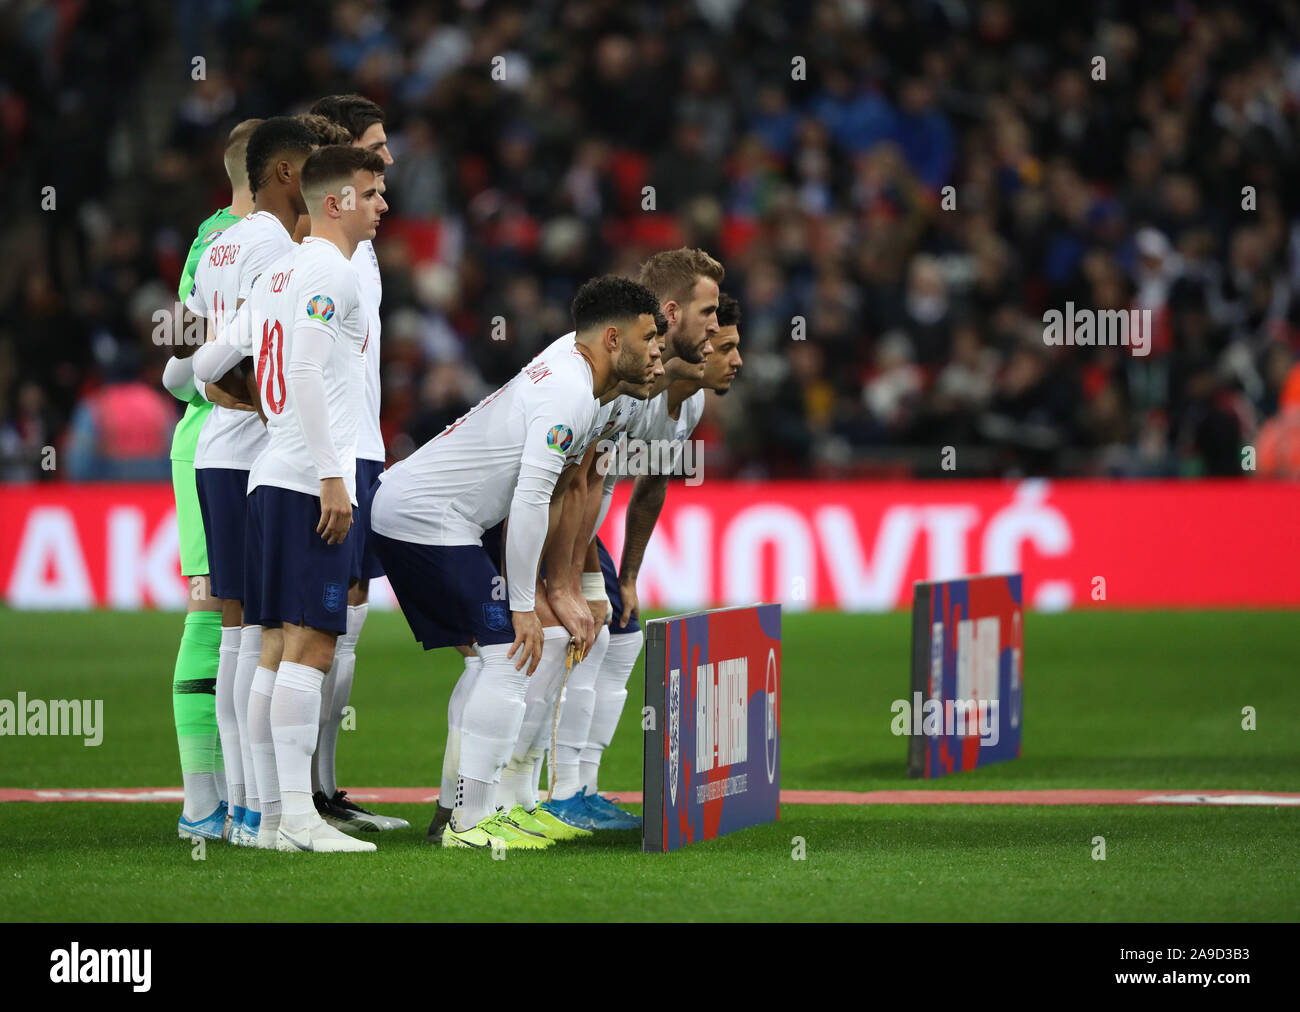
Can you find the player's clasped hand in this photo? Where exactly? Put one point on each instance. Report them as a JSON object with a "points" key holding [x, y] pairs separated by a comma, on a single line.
{"points": [[223, 399], [335, 511], [528, 635], [575, 616]]}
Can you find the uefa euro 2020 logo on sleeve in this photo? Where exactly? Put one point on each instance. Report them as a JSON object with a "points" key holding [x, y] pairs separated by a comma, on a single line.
{"points": [[674, 723], [320, 307], [559, 438]]}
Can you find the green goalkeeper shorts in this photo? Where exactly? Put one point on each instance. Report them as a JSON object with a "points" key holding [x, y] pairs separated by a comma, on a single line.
{"points": [[189, 520]]}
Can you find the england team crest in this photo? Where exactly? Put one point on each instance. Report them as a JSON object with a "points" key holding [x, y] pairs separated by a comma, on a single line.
{"points": [[335, 595], [674, 726]]}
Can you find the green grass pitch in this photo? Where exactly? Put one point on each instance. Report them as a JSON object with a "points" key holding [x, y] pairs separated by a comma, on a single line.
{"points": [[1112, 699]]}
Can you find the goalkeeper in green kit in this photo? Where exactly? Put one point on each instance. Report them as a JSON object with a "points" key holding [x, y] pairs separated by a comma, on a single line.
{"points": [[194, 702]]}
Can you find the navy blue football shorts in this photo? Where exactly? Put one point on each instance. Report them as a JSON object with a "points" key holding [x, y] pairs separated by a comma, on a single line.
{"points": [[292, 575], [451, 595], [365, 563], [615, 595], [223, 494]]}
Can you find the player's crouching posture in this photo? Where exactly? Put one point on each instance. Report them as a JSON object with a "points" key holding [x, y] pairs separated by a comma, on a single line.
{"points": [[502, 461], [309, 313], [673, 416]]}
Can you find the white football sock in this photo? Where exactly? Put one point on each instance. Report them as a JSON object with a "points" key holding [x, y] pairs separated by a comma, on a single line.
{"points": [[250, 649], [535, 778], [333, 704], [200, 791], [326, 702], [576, 709], [489, 730], [259, 731], [227, 729], [519, 781], [295, 710], [476, 800], [455, 719], [611, 694], [544, 689]]}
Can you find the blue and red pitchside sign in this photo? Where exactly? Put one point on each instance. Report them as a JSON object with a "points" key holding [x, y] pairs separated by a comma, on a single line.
{"points": [[967, 675], [713, 758]]}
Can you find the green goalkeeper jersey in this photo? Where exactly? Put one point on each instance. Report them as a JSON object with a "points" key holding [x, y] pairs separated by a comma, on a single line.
{"points": [[186, 437]]}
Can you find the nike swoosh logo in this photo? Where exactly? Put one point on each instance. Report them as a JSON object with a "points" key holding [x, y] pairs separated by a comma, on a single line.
{"points": [[292, 839]]}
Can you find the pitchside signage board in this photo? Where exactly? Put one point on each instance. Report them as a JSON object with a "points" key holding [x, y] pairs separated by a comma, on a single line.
{"points": [[967, 675], [713, 755]]}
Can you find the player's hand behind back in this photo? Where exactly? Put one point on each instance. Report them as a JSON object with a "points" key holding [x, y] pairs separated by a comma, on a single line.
{"points": [[222, 397]]}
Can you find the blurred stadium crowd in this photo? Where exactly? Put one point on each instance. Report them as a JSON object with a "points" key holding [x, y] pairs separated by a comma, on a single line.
{"points": [[806, 144]]}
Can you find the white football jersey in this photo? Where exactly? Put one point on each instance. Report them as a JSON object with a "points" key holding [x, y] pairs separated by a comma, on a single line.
{"points": [[370, 440], [649, 420], [462, 481], [313, 287], [623, 411], [224, 275], [611, 418], [653, 421]]}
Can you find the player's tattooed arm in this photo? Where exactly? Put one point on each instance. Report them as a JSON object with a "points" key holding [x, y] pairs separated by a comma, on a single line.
{"points": [[647, 500]]}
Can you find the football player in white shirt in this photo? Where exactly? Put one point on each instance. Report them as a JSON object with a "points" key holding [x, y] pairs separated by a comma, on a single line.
{"points": [[313, 320], [685, 281], [573, 516], [363, 122], [231, 439], [673, 416], [501, 461], [518, 787]]}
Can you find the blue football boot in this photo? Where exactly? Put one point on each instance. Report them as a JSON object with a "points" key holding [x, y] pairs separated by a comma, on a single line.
{"points": [[608, 815], [572, 811], [211, 827], [248, 832]]}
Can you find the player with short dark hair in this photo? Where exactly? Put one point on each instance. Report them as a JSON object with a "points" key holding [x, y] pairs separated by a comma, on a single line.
{"points": [[363, 123], [231, 439], [207, 759], [501, 462], [672, 416], [362, 118], [301, 489]]}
